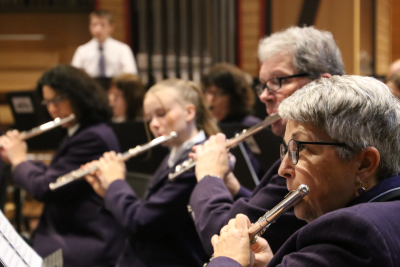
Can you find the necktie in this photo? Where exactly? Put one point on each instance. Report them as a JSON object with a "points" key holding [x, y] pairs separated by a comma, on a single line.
{"points": [[102, 63]]}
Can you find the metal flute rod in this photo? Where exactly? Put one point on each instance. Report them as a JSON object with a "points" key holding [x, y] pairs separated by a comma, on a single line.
{"points": [[80, 173], [190, 163], [45, 127], [290, 200]]}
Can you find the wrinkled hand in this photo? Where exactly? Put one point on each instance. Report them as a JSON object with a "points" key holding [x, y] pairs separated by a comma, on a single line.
{"points": [[262, 251], [110, 169], [234, 242], [13, 148], [212, 157]]}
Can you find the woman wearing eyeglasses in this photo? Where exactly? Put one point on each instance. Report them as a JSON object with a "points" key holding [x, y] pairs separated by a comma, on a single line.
{"points": [[74, 217], [229, 94], [342, 140]]}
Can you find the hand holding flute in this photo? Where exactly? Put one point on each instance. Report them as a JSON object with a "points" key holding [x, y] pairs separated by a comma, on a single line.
{"points": [[234, 243], [241, 241], [13, 149], [109, 168]]}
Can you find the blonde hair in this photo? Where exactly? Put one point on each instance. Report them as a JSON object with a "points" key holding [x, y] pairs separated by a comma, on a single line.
{"points": [[191, 93]]}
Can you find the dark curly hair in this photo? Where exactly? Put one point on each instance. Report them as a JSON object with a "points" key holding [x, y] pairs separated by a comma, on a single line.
{"points": [[233, 82], [88, 100]]}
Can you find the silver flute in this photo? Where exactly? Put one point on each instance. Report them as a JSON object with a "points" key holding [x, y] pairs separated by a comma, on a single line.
{"points": [[231, 143], [80, 173], [45, 127], [265, 221], [290, 200]]}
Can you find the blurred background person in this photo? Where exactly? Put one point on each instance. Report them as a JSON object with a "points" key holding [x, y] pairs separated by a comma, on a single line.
{"points": [[74, 217], [229, 94], [104, 56], [394, 68], [352, 169], [160, 229], [125, 97], [393, 82]]}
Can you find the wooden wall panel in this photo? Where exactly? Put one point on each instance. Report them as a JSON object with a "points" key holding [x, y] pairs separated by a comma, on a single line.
{"points": [[342, 19], [63, 32], [250, 23], [382, 37], [395, 29]]}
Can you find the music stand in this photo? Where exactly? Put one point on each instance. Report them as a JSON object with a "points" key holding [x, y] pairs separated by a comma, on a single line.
{"points": [[28, 113]]}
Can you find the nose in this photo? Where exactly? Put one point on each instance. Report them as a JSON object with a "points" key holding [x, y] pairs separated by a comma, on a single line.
{"points": [[154, 123], [209, 98], [111, 99], [52, 108], [266, 96], [286, 170]]}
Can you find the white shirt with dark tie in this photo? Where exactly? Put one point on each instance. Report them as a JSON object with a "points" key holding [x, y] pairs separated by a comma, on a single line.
{"points": [[118, 58]]}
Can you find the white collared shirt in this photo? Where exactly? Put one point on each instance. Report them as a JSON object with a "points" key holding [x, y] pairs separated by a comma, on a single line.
{"points": [[118, 58], [73, 129], [177, 153]]}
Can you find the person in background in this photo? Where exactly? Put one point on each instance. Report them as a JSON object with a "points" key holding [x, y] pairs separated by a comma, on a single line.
{"points": [[394, 68], [160, 229], [290, 59], [125, 97], [229, 94], [104, 56], [393, 82], [350, 162], [74, 217]]}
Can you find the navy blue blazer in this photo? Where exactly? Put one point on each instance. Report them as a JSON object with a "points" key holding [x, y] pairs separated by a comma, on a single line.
{"points": [[160, 229], [366, 234], [74, 217], [213, 207]]}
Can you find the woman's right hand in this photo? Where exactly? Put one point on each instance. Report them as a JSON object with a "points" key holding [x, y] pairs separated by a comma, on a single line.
{"points": [[14, 148], [212, 157]]}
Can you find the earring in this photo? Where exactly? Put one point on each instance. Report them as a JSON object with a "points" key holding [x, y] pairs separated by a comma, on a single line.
{"points": [[361, 190]]}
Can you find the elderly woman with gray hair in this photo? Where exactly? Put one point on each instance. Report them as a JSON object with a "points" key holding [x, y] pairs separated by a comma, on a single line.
{"points": [[342, 139]]}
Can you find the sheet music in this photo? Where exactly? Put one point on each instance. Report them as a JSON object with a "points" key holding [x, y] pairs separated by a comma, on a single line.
{"points": [[14, 251]]}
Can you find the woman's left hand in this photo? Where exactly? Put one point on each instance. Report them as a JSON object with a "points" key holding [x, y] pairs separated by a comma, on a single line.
{"points": [[234, 242], [13, 148]]}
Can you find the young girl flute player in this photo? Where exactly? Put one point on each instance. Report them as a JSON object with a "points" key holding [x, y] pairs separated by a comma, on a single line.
{"points": [[159, 228]]}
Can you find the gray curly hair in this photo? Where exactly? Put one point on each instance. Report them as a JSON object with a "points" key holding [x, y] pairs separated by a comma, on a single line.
{"points": [[358, 111], [314, 51]]}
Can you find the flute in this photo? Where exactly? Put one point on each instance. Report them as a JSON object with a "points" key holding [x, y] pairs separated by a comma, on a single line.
{"points": [[45, 127], [265, 221], [290, 200], [80, 173], [190, 163]]}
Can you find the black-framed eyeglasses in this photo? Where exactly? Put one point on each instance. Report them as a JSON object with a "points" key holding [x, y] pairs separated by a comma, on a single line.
{"points": [[55, 100], [274, 84], [293, 147]]}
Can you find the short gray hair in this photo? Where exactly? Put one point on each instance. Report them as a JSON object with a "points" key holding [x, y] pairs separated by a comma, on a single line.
{"points": [[358, 111], [314, 51]]}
